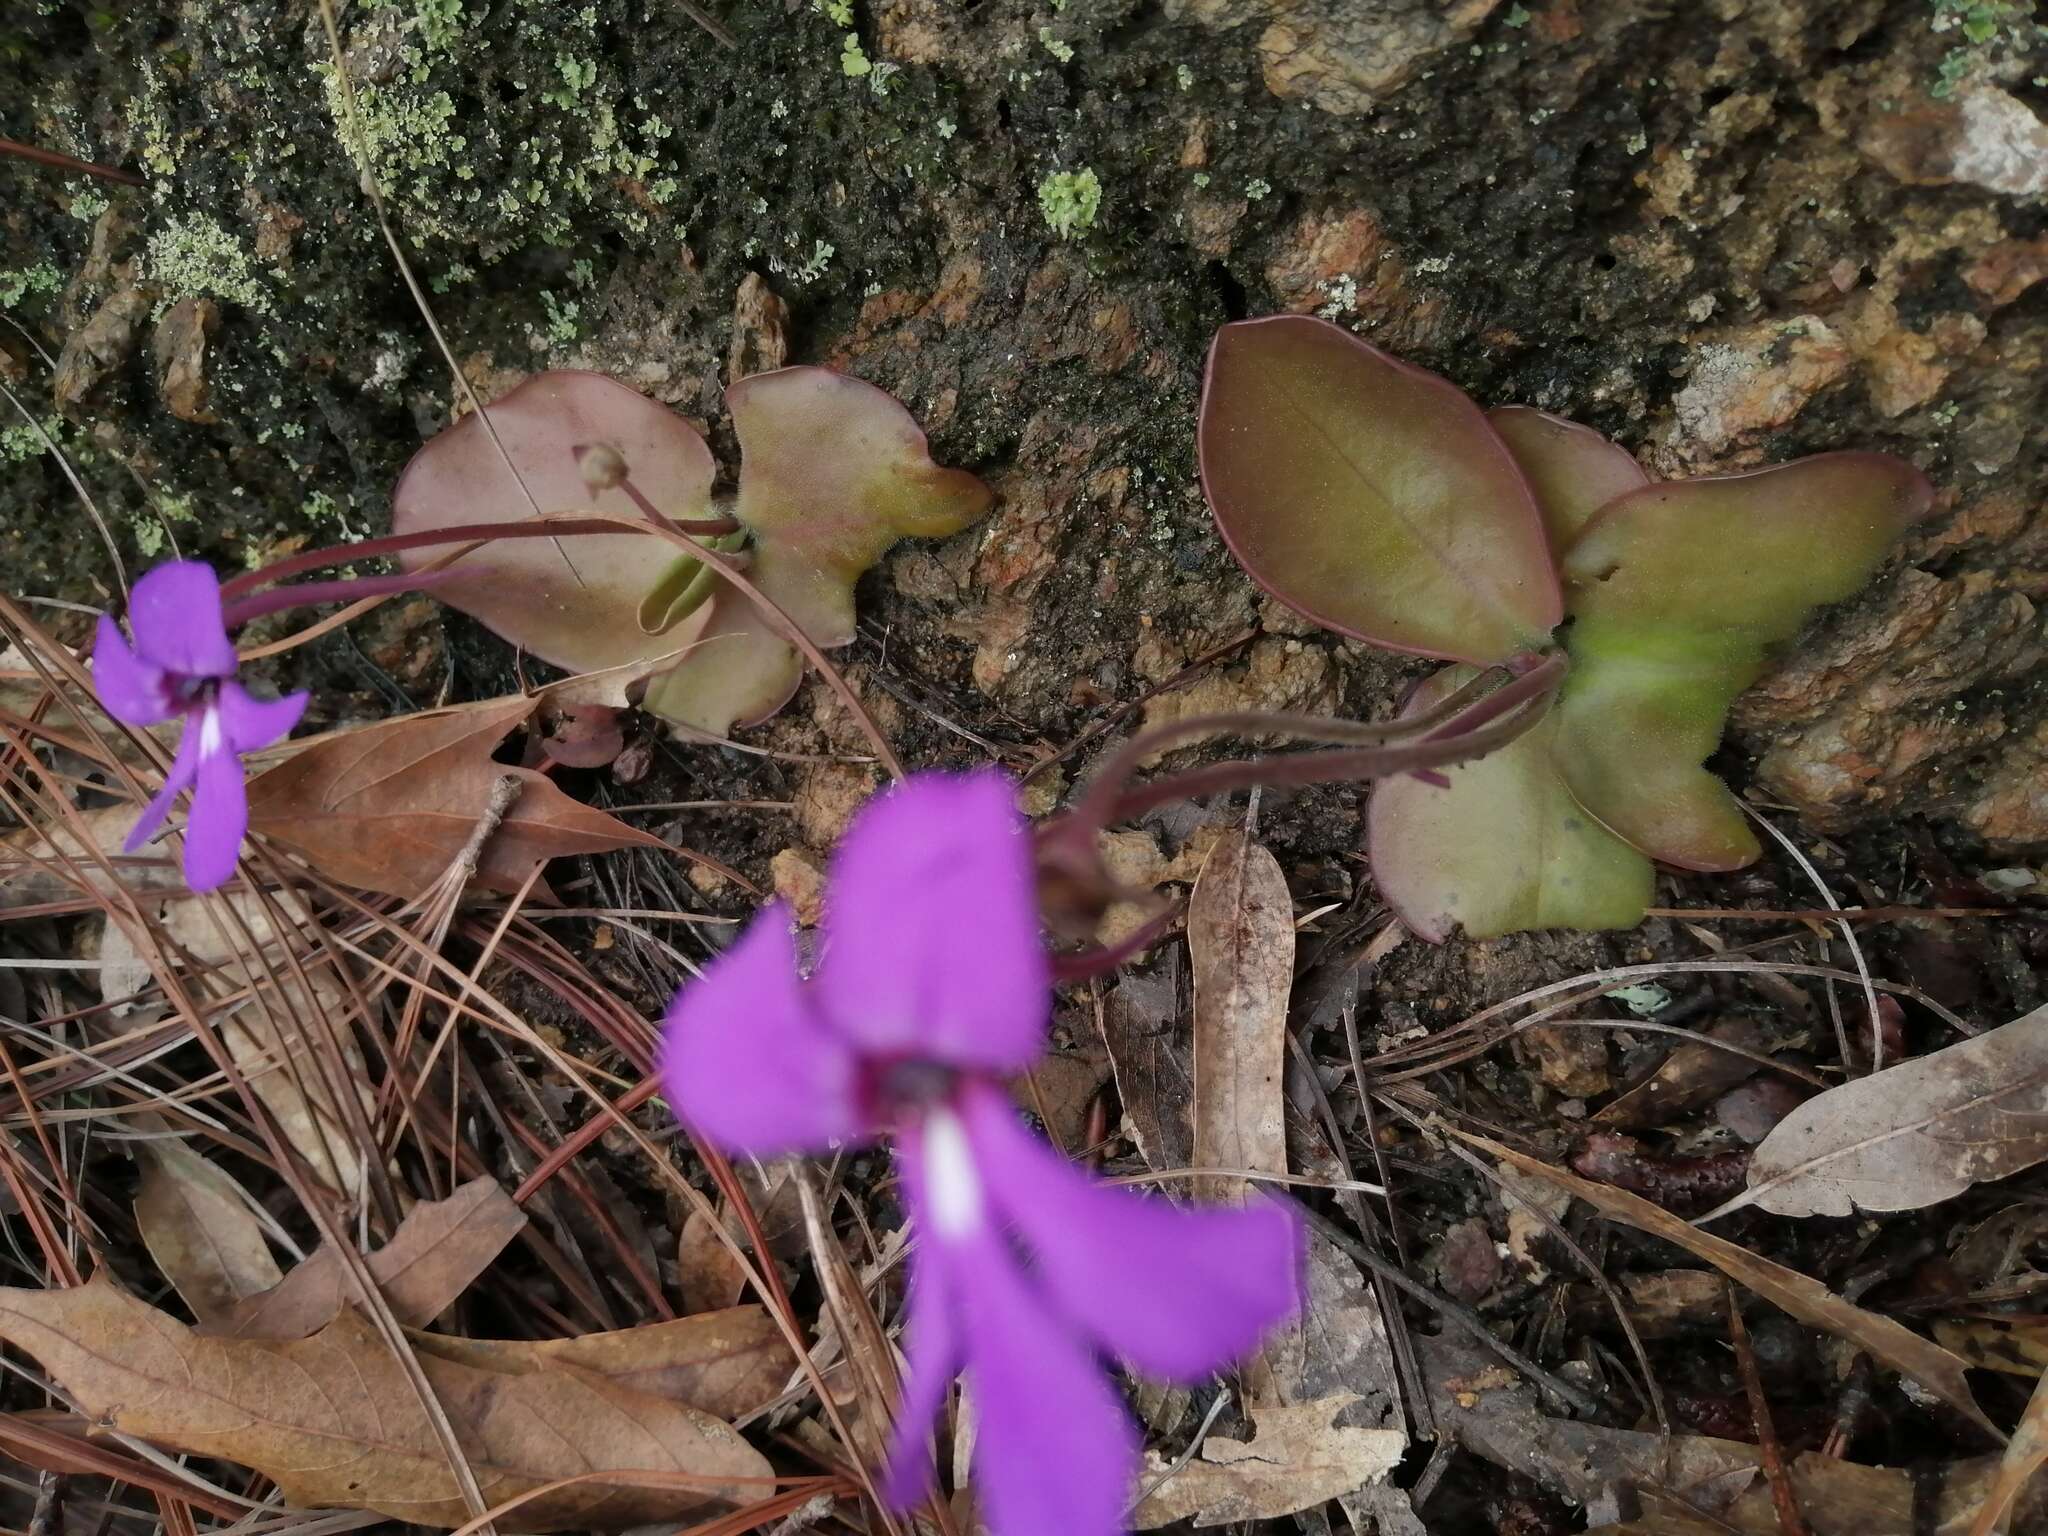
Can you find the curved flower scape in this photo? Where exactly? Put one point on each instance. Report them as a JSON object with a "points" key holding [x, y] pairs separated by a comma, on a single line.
{"points": [[932, 985], [182, 663]]}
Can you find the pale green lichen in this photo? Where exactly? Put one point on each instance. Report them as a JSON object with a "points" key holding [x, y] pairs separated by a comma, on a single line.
{"points": [[563, 315], [149, 127], [838, 12], [195, 255], [24, 441], [1184, 77], [852, 62], [42, 278], [1257, 189], [1070, 201], [1062, 51], [578, 76], [151, 524]]}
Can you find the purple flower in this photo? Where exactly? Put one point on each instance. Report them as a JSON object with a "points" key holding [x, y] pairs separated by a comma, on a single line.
{"points": [[933, 984], [182, 663]]}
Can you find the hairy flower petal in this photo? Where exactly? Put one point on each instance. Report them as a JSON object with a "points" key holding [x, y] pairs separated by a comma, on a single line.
{"points": [[251, 724], [933, 1346], [746, 1059], [931, 925], [1177, 1291], [220, 808], [176, 615], [132, 691], [1055, 1451]]}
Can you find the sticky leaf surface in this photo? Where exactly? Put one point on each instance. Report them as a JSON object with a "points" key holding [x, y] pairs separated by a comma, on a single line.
{"points": [[1372, 496], [1573, 470], [1506, 847], [1677, 592], [573, 602], [832, 472]]}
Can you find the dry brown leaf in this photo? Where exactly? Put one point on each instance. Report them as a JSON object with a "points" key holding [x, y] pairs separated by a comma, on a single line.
{"points": [[33, 861], [1914, 1134], [199, 1229], [1805, 1298], [1297, 1458], [709, 1275], [440, 1247], [1241, 951], [333, 1421], [1692, 1075], [283, 1041], [390, 807], [725, 1363], [1141, 1027]]}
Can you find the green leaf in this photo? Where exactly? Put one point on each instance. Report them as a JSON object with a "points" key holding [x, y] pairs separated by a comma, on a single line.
{"points": [[1372, 496], [1573, 470], [1677, 593], [832, 472], [1504, 848]]}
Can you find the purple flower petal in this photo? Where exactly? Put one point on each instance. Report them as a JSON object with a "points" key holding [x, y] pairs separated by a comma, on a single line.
{"points": [[1055, 1453], [220, 807], [933, 1345], [931, 925], [176, 615], [747, 1061], [130, 689], [1178, 1292], [184, 770], [252, 724]]}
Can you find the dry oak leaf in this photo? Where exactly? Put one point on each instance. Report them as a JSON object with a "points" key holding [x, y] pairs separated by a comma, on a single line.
{"points": [[200, 1229], [724, 1363], [389, 807], [438, 1249], [334, 1422]]}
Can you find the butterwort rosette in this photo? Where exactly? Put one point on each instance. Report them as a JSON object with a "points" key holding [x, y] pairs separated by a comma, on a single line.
{"points": [[931, 986], [183, 664]]}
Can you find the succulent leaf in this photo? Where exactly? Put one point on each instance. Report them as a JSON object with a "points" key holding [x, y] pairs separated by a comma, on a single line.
{"points": [[1677, 593], [1504, 847], [1371, 495]]}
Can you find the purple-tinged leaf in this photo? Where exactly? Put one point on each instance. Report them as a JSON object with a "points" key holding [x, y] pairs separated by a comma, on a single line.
{"points": [[1573, 470], [832, 472], [1504, 848], [1677, 592], [1372, 496], [572, 602]]}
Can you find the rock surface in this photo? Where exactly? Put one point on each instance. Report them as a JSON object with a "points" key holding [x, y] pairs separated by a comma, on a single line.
{"points": [[1726, 234]]}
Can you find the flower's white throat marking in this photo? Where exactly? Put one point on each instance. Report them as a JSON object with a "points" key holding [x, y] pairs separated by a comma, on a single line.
{"points": [[950, 1175], [211, 741]]}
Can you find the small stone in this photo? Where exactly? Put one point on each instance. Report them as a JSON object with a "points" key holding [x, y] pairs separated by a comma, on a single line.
{"points": [[1573, 1061], [1986, 138], [760, 330], [1468, 1263], [799, 878], [180, 343]]}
